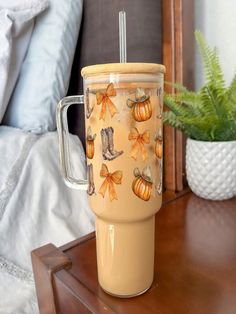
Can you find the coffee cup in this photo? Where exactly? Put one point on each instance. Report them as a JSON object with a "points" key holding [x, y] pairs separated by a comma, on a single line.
{"points": [[123, 118]]}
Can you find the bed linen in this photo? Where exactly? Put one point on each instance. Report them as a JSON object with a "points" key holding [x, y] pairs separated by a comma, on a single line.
{"points": [[45, 73], [16, 25], [36, 207]]}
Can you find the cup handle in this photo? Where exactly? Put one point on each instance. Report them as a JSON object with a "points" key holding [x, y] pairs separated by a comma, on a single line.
{"points": [[62, 129]]}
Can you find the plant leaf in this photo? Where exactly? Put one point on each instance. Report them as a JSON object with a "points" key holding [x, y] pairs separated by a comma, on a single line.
{"points": [[210, 114]]}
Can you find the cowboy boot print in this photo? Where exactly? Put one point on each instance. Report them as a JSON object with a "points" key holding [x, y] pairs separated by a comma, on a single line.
{"points": [[91, 188], [159, 92], [110, 134], [89, 109], [105, 151], [158, 187]]}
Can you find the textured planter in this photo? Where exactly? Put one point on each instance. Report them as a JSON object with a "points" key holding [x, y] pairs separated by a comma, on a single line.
{"points": [[211, 169]]}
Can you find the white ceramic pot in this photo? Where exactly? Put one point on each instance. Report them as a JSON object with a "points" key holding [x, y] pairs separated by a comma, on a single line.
{"points": [[211, 169]]}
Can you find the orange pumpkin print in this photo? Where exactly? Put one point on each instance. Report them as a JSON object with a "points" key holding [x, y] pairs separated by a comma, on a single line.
{"points": [[109, 182], [158, 145], [142, 184], [104, 99], [158, 149], [90, 143], [141, 106]]}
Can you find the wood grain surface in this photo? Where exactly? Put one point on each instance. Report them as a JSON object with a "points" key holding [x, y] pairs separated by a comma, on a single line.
{"points": [[195, 269]]}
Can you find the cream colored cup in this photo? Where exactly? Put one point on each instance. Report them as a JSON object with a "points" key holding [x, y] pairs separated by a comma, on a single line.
{"points": [[123, 113]]}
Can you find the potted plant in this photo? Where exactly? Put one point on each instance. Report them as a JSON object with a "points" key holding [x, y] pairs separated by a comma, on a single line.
{"points": [[208, 118]]}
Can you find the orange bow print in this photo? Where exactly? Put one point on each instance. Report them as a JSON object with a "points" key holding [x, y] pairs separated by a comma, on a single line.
{"points": [[138, 146], [103, 98], [110, 179]]}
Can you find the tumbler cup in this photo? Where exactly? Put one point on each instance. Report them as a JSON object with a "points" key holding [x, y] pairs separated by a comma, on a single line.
{"points": [[123, 114]]}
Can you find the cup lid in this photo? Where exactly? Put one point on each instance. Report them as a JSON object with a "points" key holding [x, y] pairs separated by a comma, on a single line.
{"points": [[129, 67]]}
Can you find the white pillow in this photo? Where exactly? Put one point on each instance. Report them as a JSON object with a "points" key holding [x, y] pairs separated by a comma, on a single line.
{"points": [[45, 73], [16, 24]]}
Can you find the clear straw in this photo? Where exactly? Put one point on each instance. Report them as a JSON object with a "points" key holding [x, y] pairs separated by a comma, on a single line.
{"points": [[122, 36]]}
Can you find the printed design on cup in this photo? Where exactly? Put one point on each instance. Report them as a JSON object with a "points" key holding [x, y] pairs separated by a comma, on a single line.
{"points": [[109, 182], [89, 109], [141, 106], [159, 94], [158, 187], [90, 143], [104, 99], [142, 183], [91, 187], [158, 146], [159, 151], [108, 150], [139, 145]]}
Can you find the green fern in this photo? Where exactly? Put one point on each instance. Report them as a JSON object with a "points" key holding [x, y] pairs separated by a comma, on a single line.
{"points": [[210, 113]]}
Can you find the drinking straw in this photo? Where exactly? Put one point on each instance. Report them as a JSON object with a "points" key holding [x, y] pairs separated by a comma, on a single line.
{"points": [[122, 36]]}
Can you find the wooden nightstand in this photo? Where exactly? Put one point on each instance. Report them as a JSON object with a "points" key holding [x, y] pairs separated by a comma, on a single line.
{"points": [[195, 266]]}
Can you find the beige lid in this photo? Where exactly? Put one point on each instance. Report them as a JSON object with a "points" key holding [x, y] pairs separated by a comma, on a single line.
{"points": [[150, 68]]}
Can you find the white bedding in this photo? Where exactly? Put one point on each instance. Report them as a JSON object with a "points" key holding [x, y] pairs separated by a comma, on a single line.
{"points": [[35, 208]]}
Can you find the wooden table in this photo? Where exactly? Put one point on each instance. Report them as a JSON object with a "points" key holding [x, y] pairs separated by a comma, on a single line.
{"points": [[195, 266]]}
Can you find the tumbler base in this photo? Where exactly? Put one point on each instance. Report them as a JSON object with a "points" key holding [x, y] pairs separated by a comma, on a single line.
{"points": [[125, 256], [127, 296]]}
